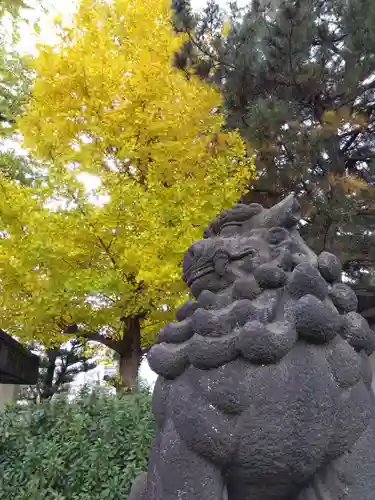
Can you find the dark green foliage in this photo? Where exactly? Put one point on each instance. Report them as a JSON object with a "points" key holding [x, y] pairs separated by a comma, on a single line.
{"points": [[89, 449], [182, 15], [200, 53], [298, 80]]}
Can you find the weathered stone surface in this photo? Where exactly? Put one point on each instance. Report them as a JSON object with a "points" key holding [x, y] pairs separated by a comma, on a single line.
{"points": [[160, 400], [168, 360], [210, 282], [329, 266], [138, 487], [274, 425], [315, 321], [264, 390], [264, 344], [245, 288], [227, 387], [343, 298], [239, 214], [207, 300], [277, 235], [204, 428], [306, 280], [206, 352], [265, 305], [355, 408], [282, 256], [176, 332], [178, 471], [357, 332], [185, 310], [366, 370], [240, 312], [350, 476], [346, 364], [209, 323], [270, 276]]}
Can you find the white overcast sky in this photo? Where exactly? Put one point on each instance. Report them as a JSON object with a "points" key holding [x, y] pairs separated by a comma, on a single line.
{"points": [[66, 9]]}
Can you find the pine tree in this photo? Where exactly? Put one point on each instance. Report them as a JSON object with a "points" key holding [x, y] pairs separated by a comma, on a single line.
{"points": [[59, 366], [297, 79]]}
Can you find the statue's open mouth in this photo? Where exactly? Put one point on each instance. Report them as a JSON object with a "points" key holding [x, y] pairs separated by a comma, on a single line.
{"points": [[197, 269]]}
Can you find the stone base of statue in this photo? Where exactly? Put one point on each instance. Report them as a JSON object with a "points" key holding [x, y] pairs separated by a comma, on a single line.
{"points": [[264, 388]]}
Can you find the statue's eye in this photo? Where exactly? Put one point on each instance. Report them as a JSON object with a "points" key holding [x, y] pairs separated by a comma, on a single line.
{"points": [[252, 253]]}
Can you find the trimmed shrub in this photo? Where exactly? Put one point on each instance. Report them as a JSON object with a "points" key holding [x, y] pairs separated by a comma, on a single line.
{"points": [[91, 448]]}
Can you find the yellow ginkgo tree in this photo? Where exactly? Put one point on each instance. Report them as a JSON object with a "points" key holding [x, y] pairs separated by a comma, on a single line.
{"points": [[109, 106]]}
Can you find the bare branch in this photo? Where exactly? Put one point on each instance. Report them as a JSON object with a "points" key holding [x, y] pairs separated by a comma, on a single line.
{"points": [[92, 336]]}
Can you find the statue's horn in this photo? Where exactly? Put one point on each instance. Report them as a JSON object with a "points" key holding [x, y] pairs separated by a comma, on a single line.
{"points": [[286, 213]]}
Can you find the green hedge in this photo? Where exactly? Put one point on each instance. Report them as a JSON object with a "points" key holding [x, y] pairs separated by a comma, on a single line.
{"points": [[88, 449]]}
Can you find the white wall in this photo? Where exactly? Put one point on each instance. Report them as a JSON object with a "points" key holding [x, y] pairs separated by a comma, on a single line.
{"points": [[8, 393]]}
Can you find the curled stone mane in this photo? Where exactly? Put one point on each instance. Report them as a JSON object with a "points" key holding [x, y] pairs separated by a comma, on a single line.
{"points": [[264, 387]]}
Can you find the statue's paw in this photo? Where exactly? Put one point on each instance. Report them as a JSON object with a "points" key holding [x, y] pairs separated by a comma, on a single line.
{"points": [[204, 428]]}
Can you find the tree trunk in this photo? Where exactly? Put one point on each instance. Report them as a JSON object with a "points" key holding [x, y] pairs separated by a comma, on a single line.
{"points": [[130, 352], [47, 384], [128, 348]]}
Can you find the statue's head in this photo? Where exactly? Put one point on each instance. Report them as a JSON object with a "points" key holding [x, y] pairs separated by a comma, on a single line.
{"points": [[242, 240], [254, 278]]}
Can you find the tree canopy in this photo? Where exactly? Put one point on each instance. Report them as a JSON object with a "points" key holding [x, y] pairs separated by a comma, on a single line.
{"points": [[108, 106]]}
